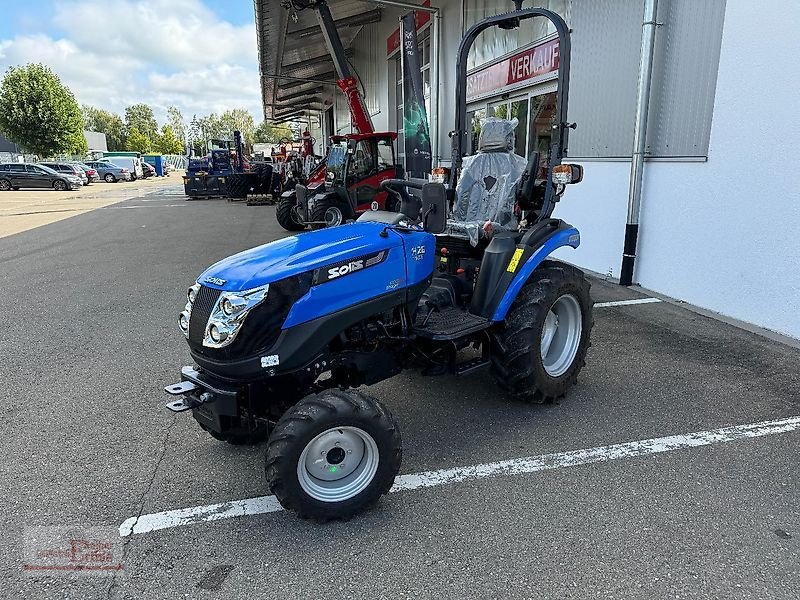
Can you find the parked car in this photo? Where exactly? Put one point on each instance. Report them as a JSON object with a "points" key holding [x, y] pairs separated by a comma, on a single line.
{"points": [[132, 163], [14, 176], [91, 173], [148, 170], [70, 168], [110, 172]]}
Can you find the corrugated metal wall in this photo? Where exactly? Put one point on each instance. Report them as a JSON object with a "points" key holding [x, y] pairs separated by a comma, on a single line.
{"points": [[606, 42], [685, 76], [370, 54]]}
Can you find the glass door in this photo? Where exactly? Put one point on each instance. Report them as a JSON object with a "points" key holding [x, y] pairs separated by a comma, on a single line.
{"points": [[542, 119]]}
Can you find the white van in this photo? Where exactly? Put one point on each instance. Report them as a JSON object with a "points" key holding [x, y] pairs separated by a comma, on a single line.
{"points": [[132, 163]]}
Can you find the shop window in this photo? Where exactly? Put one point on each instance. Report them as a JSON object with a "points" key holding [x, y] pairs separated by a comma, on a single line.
{"points": [[542, 120], [515, 109], [474, 118]]}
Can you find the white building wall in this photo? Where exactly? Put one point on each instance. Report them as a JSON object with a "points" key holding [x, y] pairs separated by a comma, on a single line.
{"points": [[598, 207], [725, 235]]}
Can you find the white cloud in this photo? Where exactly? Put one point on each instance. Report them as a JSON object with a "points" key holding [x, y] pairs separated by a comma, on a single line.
{"points": [[159, 52]]}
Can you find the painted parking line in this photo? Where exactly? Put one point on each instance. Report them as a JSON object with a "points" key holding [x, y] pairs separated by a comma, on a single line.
{"points": [[514, 466], [627, 302]]}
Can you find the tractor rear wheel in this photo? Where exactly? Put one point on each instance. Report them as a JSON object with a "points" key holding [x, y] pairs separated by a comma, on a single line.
{"points": [[286, 212], [333, 455], [537, 355], [327, 213]]}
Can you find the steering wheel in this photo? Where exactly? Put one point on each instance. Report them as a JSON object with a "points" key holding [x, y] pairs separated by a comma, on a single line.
{"points": [[410, 206]]}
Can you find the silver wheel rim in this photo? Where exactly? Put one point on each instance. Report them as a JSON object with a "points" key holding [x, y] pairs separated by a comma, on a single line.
{"points": [[109, 178], [333, 217], [5, 186], [338, 464], [561, 335], [60, 186]]}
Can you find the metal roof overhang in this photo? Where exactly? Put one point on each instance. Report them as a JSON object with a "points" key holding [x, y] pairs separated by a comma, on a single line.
{"points": [[297, 73]]}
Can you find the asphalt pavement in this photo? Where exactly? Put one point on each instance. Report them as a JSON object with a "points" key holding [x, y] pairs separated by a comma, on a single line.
{"points": [[89, 340]]}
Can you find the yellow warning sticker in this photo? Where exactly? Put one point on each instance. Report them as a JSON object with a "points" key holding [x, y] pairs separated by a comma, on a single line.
{"points": [[514, 263]]}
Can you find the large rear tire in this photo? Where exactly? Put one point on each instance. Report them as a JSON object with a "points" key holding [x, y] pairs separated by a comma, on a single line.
{"points": [[287, 214], [537, 355], [241, 184], [333, 455]]}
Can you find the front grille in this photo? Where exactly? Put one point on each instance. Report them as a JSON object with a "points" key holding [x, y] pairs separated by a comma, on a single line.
{"points": [[261, 327], [203, 305]]}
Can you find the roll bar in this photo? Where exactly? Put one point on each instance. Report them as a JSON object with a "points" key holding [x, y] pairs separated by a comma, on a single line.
{"points": [[558, 148]]}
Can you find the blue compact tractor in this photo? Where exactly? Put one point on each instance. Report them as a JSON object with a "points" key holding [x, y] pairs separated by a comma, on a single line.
{"points": [[284, 336]]}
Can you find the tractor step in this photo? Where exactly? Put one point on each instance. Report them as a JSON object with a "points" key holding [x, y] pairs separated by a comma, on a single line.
{"points": [[448, 324], [472, 365]]}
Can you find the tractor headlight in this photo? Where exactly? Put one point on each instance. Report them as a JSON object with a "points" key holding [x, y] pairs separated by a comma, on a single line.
{"points": [[186, 314], [192, 292], [183, 322], [229, 313]]}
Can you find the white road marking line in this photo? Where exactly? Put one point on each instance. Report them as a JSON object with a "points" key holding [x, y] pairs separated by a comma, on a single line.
{"points": [[514, 466], [627, 302]]}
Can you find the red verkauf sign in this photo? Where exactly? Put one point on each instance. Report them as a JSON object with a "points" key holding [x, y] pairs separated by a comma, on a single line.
{"points": [[528, 64]]}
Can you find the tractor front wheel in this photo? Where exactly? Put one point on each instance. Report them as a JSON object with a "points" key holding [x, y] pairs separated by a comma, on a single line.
{"points": [[538, 353], [333, 455], [286, 212]]}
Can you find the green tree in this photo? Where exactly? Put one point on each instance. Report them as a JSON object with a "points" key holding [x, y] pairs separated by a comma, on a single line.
{"points": [[195, 137], [138, 142], [97, 119], [238, 119], [168, 143], [40, 113], [267, 133], [140, 116], [176, 122]]}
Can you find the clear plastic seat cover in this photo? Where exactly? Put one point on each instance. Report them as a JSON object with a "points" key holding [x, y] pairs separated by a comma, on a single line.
{"points": [[485, 192]]}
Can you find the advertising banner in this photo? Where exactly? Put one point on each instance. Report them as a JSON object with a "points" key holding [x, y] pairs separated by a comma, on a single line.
{"points": [[416, 130]]}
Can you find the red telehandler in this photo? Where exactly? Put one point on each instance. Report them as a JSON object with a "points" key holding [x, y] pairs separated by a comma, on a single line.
{"points": [[347, 181]]}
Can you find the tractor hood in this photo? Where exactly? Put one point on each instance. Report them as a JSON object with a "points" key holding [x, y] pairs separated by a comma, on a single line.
{"points": [[296, 254]]}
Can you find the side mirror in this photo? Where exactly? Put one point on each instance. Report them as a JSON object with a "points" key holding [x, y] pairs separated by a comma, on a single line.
{"points": [[434, 207]]}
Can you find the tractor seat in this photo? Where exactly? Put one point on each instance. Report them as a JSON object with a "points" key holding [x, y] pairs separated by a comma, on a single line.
{"points": [[485, 200]]}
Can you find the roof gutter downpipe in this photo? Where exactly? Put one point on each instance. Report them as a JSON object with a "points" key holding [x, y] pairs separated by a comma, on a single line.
{"points": [[639, 141]]}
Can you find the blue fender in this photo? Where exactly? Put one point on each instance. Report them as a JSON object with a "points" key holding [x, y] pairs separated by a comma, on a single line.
{"points": [[565, 237]]}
